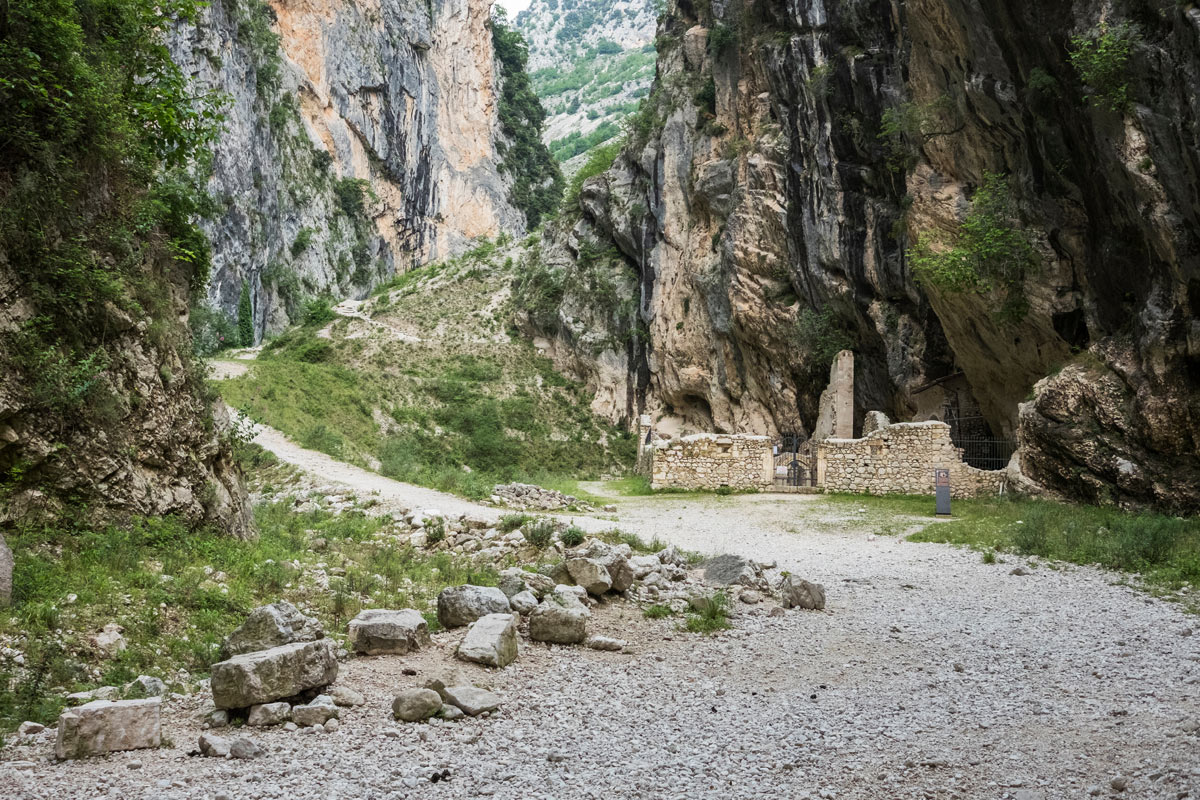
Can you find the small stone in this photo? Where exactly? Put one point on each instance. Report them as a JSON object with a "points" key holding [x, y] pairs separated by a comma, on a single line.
{"points": [[750, 597], [291, 727], [605, 643], [317, 712], [1119, 783], [449, 712], [959, 668], [29, 728], [135, 764], [472, 700], [795, 592], [346, 697], [218, 718], [777, 611], [145, 686], [1018, 571], [413, 705], [265, 714], [331, 725], [244, 748], [214, 746]]}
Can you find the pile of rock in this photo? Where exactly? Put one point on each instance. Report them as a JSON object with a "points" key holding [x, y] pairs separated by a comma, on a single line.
{"points": [[526, 497], [446, 696], [278, 662]]}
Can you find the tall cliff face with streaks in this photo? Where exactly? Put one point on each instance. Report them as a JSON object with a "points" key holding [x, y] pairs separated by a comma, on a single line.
{"points": [[361, 138], [809, 176]]}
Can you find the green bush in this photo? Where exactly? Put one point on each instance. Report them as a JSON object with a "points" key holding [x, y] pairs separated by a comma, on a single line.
{"points": [[721, 39], [245, 317], [989, 251], [657, 611], [1101, 58], [599, 161], [572, 536], [537, 182], [510, 522], [303, 239], [539, 532]]}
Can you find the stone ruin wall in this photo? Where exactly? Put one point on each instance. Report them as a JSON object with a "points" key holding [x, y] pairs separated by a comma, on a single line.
{"points": [[711, 461], [900, 459]]}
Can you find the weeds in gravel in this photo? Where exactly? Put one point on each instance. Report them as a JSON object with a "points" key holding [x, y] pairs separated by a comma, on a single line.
{"points": [[657, 611], [178, 592], [989, 556], [711, 614]]}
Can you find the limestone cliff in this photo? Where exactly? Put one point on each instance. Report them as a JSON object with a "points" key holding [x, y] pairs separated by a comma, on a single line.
{"points": [[792, 157], [322, 97]]}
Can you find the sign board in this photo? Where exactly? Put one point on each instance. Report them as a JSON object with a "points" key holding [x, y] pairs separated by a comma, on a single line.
{"points": [[941, 484]]}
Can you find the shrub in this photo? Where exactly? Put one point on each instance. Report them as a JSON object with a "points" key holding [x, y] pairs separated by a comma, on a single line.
{"points": [[510, 522], [989, 251], [245, 314], [1101, 57], [350, 194], [599, 161], [317, 311], [821, 335], [572, 536], [539, 532], [435, 530], [721, 38], [302, 241]]}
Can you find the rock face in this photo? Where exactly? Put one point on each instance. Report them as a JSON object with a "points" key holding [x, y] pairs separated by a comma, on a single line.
{"points": [[462, 605], [491, 640], [269, 675], [271, 626], [103, 726], [157, 450], [768, 224], [380, 630], [403, 95]]}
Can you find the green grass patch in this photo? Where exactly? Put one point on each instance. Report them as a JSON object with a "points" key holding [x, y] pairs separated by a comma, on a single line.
{"points": [[710, 614], [1164, 550], [657, 611]]}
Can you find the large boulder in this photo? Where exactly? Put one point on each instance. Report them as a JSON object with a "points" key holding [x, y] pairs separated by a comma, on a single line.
{"points": [[491, 640], [796, 592], [381, 630], [512, 581], [271, 626], [560, 619], [615, 559], [413, 705], [462, 605], [269, 675], [590, 574], [104, 726]]}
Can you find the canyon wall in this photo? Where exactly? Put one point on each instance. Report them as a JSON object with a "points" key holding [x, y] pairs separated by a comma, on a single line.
{"points": [[790, 159], [323, 96]]}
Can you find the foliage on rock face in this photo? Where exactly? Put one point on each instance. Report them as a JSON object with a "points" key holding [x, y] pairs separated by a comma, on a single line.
{"points": [[1101, 57], [537, 181], [245, 317], [97, 129], [600, 160], [990, 251], [821, 335]]}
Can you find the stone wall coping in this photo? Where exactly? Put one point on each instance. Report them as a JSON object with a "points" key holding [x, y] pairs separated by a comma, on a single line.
{"points": [[879, 433], [663, 444]]}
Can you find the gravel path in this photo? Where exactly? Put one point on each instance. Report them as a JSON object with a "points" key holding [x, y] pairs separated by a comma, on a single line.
{"points": [[929, 675]]}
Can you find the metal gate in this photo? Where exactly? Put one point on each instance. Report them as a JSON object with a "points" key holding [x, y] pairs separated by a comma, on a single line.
{"points": [[970, 435], [794, 464]]}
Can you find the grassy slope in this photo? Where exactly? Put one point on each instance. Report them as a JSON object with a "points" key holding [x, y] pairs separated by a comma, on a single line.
{"points": [[466, 395]]}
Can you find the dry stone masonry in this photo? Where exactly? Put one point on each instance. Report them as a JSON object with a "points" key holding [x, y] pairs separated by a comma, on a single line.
{"points": [[901, 459], [713, 461]]}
